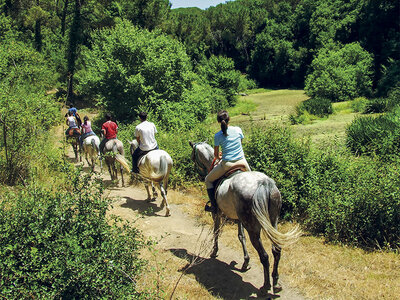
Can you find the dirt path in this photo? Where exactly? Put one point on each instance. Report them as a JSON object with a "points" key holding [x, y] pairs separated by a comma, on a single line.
{"points": [[182, 237]]}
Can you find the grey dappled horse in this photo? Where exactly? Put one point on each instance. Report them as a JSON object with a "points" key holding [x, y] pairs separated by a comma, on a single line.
{"points": [[114, 152], [91, 148], [252, 199], [155, 167]]}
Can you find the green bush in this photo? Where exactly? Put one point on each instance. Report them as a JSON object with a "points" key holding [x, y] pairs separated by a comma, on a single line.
{"points": [[128, 69], [316, 106], [61, 245], [359, 104], [375, 135], [347, 199], [220, 73], [340, 74]]}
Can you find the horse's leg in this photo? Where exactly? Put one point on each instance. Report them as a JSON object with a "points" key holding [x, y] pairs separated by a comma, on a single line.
{"points": [[147, 186], [154, 191], [217, 224], [276, 251], [122, 174], [164, 196], [110, 170], [242, 239], [254, 233]]}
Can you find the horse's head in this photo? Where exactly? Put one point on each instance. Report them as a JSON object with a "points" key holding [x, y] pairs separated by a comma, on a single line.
{"points": [[202, 156], [134, 144]]}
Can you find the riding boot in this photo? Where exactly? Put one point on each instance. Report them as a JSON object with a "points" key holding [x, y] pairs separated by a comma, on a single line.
{"points": [[213, 208]]}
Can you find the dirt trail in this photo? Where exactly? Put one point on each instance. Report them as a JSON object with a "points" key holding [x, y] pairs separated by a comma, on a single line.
{"points": [[182, 237]]}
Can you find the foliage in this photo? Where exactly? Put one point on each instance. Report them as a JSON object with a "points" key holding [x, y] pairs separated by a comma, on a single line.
{"points": [[25, 113], [356, 201], [127, 68], [316, 106], [62, 245], [375, 135], [359, 104], [219, 71], [340, 74]]}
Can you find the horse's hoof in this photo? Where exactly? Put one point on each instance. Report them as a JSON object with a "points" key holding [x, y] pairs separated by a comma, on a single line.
{"points": [[214, 255], [277, 288], [167, 214], [245, 268], [265, 292]]}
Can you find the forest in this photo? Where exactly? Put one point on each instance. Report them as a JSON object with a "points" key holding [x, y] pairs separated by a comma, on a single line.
{"points": [[182, 66]]}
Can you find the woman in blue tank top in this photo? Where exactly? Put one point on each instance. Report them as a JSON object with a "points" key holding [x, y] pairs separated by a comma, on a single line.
{"points": [[230, 141]]}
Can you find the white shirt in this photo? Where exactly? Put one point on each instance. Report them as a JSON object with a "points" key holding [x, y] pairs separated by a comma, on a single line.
{"points": [[146, 132]]}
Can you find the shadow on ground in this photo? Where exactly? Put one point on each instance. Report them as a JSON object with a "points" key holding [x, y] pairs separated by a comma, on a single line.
{"points": [[218, 277], [143, 207]]}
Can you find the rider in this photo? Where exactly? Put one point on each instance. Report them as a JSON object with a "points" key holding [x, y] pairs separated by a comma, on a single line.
{"points": [[145, 136], [109, 129], [75, 114], [230, 140], [86, 129], [71, 122]]}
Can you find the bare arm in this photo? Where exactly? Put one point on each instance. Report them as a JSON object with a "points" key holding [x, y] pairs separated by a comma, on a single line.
{"points": [[216, 152]]}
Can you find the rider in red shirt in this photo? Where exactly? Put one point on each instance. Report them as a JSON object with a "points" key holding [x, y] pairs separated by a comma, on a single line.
{"points": [[109, 130]]}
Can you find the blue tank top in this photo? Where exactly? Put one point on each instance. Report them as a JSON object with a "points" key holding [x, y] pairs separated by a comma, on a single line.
{"points": [[231, 144]]}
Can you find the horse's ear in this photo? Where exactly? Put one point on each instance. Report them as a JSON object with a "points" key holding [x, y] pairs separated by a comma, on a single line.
{"points": [[191, 144]]}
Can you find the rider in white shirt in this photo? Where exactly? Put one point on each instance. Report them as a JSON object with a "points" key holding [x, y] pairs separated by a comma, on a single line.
{"points": [[145, 135]]}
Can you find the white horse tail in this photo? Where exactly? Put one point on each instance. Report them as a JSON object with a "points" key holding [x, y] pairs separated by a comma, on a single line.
{"points": [[95, 146], [121, 159], [260, 210]]}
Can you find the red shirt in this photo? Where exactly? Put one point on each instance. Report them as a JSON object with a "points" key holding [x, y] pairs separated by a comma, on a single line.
{"points": [[111, 129]]}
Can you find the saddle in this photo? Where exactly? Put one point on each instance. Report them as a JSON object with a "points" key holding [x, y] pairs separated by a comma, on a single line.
{"points": [[228, 174], [73, 132]]}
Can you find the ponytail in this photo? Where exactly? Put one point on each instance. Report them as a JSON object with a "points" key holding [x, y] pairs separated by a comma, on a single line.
{"points": [[223, 118]]}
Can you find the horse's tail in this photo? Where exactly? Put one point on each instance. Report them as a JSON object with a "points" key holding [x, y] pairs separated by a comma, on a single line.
{"points": [[121, 159], [162, 170], [260, 210], [95, 146]]}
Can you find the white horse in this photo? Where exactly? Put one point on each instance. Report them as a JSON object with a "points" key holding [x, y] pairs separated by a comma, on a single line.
{"points": [[91, 148], [155, 167], [253, 199], [114, 152]]}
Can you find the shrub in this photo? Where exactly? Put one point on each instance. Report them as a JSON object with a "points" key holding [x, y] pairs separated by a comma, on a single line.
{"points": [[359, 104], [375, 135], [316, 106], [61, 245], [340, 74], [220, 72], [347, 199], [128, 69]]}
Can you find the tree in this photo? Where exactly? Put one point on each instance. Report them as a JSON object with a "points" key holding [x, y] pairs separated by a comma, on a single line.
{"points": [[340, 73], [127, 68]]}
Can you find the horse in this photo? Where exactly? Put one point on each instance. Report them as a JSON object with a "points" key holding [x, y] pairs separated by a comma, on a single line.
{"points": [[114, 152], [91, 148], [155, 167], [254, 201], [72, 138]]}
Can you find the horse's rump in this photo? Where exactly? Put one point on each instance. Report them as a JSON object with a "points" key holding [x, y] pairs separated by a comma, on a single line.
{"points": [[73, 132], [155, 165]]}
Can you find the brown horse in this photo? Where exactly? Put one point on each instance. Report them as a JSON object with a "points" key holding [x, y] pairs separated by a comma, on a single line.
{"points": [[252, 199]]}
